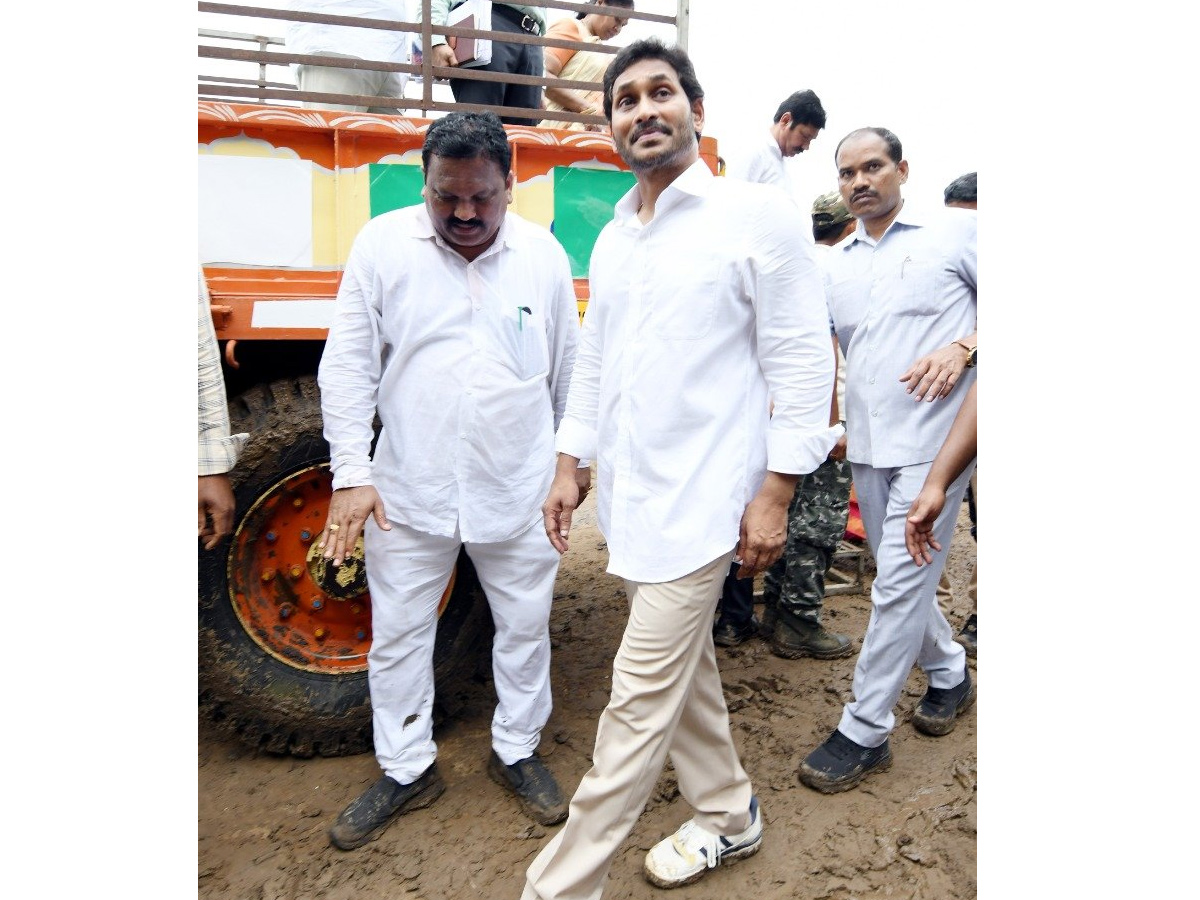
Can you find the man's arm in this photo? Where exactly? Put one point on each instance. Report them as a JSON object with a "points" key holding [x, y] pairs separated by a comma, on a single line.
{"points": [[955, 455], [217, 450], [796, 358], [349, 376]]}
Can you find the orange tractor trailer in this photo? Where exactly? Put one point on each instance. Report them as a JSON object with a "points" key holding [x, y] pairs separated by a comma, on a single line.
{"points": [[282, 192]]}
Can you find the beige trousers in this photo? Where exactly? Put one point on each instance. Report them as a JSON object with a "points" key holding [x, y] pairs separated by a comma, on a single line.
{"points": [[666, 700], [945, 597]]}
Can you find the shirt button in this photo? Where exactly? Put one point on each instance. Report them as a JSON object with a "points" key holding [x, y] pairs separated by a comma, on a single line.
{"points": [[872, 381], [875, 413]]}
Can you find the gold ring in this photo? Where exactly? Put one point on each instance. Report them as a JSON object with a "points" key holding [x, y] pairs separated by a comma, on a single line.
{"points": [[334, 527]]}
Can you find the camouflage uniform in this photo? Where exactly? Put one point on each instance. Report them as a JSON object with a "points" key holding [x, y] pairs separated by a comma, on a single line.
{"points": [[816, 523]]}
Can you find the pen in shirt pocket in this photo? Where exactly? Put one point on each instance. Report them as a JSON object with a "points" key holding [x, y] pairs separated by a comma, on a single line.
{"points": [[522, 311], [907, 260]]}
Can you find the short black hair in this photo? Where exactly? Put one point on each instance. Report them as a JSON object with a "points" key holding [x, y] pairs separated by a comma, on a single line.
{"points": [[805, 107], [467, 136], [961, 189], [652, 48], [624, 4], [895, 151]]}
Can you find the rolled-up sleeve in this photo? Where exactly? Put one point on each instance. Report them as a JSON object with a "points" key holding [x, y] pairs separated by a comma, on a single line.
{"points": [[794, 349], [218, 450]]}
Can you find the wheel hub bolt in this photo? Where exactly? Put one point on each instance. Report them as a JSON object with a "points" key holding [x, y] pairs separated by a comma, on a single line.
{"points": [[320, 633], [285, 610], [305, 536], [298, 502], [272, 537], [317, 603], [296, 571], [268, 574]]}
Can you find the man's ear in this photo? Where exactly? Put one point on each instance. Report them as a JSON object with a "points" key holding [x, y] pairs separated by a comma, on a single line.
{"points": [[698, 114], [903, 167]]}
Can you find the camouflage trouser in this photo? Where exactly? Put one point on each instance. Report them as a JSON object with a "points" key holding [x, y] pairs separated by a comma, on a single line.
{"points": [[816, 524]]}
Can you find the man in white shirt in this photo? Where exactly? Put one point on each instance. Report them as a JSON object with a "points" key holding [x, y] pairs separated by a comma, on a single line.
{"points": [[703, 304], [798, 121], [347, 42], [457, 325], [901, 288]]}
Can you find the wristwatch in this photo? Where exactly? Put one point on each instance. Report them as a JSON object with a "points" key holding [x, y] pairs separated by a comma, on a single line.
{"points": [[970, 353]]}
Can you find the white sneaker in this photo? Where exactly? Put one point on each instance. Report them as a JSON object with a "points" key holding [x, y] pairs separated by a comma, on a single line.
{"points": [[691, 851]]}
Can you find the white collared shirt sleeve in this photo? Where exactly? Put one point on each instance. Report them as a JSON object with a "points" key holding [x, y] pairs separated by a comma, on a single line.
{"points": [[350, 368], [794, 350]]}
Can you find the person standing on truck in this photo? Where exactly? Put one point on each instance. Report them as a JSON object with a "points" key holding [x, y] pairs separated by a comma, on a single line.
{"points": [[346, 42], [703, 304], [507, 58], [901, 288], [456, 324], [218, 449]]}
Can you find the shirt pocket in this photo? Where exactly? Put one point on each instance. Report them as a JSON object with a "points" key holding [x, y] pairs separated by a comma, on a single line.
{"points": [[527, 350], [684, 307], [919, 287], [848, 302]]}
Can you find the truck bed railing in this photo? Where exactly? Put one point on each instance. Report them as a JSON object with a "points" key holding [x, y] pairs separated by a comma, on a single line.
{"points": [[270, 88]]}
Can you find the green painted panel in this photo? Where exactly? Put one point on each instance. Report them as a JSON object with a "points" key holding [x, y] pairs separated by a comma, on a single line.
{"points": [[583, 204], [394, 186]]}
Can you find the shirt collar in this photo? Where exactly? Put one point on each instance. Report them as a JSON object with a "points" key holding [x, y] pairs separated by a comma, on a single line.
{"points": [[909, 216], [422, 227], [696, 180]]}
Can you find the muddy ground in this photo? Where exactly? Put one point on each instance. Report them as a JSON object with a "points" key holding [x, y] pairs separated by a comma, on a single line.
{"points": [[908, 833]]}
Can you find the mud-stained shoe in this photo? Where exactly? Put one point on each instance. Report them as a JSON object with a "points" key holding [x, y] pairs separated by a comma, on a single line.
{"points": [[726, 634], [766, 626], [839, 764], [367, 817], [795, 638], [938, 709], [689, 853], [968, 635], [534, 786]]}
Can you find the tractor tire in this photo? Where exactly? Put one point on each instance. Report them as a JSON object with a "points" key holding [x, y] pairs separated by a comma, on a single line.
{"points": [[282, 640]]}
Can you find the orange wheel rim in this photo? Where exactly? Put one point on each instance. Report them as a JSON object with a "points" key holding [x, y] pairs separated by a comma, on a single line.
{"points": [[299, 610]]}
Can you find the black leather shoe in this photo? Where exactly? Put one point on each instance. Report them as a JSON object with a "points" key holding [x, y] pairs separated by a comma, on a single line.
{"points": [[366, 818], [968, 635], [839, 764], [938, 709], [533, 784], [726, 634]]}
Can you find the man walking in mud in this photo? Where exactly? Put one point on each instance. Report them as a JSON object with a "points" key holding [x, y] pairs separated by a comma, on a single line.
{"points": [[901, 288], [457, 325], [704, 303]]}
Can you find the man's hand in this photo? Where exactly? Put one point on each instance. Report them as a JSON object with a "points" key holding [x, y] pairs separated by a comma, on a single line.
{"points": [[934, 376], [918, 527], [764, 525], [839, 449], [562, 501], [216, 504], [348, 512], [443, 56], [583, 480]]}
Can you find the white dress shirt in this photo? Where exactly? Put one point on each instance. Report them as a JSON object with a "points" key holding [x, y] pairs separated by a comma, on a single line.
{"points": [[365, 43], [693, 319], [763, 165], [892, 302], [470, 363]]}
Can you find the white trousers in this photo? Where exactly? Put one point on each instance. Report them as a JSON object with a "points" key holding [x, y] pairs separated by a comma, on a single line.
{"points": [[408, 571], [906, 625], [666, 699], [334, 80]]}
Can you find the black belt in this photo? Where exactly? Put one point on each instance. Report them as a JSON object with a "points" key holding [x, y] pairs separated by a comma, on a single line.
{"points": [[524, 22]]}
